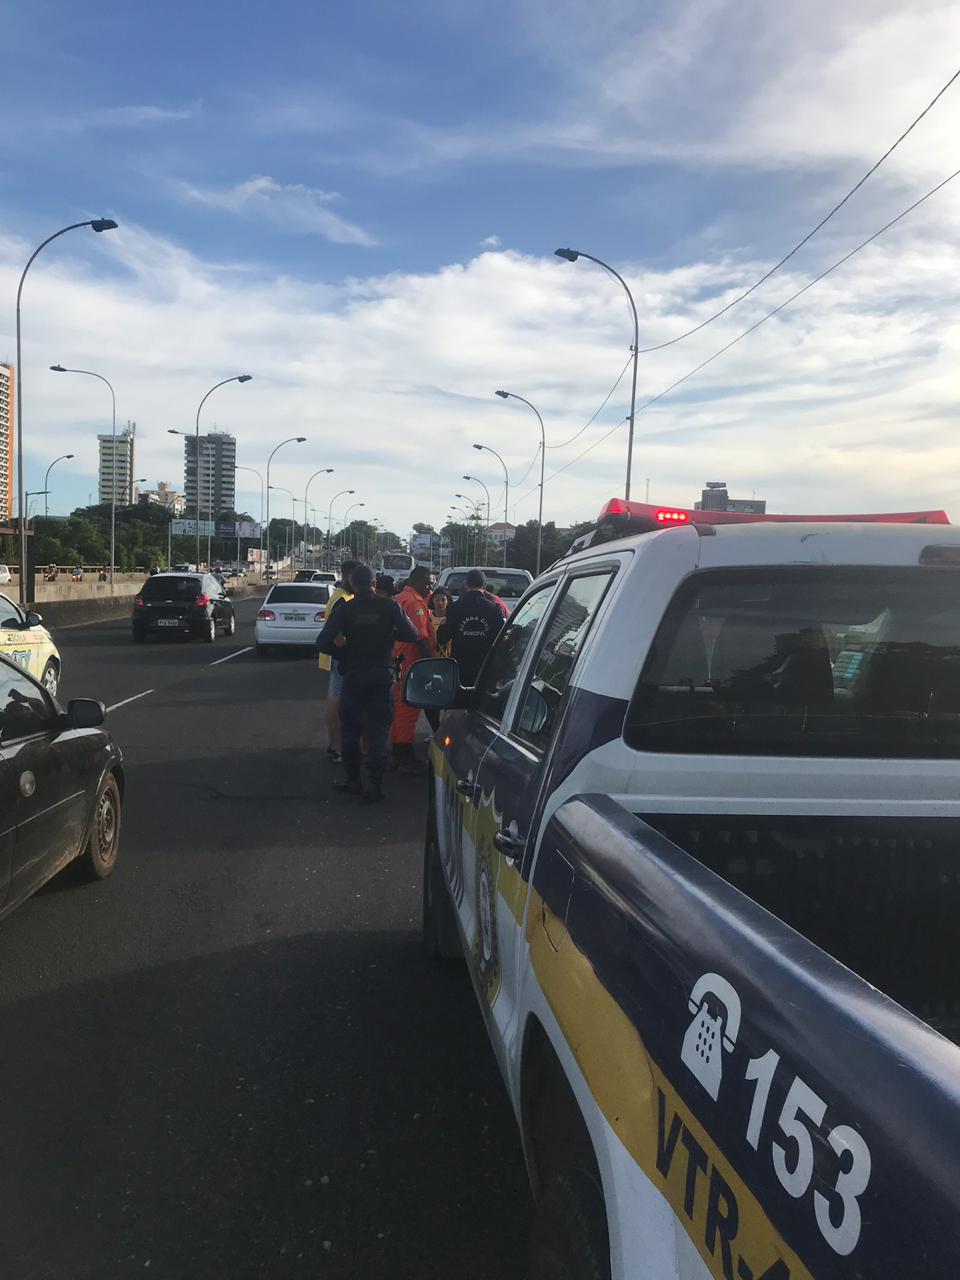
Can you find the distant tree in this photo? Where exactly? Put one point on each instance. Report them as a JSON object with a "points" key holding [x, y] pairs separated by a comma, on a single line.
{"points": [[420, 527]]}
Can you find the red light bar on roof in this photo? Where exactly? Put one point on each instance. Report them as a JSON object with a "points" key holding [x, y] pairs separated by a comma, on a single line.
{"points": [[640, 516]]}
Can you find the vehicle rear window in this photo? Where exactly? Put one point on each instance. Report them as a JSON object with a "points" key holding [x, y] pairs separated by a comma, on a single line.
{"points": [[312, 593], [805, 661], [511, 585], [170, 587]]}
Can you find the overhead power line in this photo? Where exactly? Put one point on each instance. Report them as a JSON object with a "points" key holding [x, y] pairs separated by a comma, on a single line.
{"points": [[590, 421], [763, 319], [810, 234]]}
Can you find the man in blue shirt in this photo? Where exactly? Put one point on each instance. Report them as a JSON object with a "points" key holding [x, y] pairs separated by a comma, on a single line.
{"points": [[361, 633], [471, 625]]}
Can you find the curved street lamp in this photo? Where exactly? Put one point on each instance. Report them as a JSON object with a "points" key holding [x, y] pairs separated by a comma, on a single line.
{"points": [[289, 440], [98, 225], [353, 506], [58, 368], [324, 471], [476, 480], [506, 494], [255, 472], [279, 488], [571, 255], [512, 395], [330, 519], [46, 481], [239, 377]]}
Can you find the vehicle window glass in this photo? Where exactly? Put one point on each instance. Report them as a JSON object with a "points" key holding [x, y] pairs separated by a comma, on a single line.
{"points": [[510, 585], [23, 708], [312, 593], [506, 657], [170, 587], [562, 642], [9, 613], [805, 661]]}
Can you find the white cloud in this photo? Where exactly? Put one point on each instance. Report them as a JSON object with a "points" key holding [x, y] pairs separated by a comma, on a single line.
{"points": [[846, 401], [291, 207], [135, 117], [490, 242]]}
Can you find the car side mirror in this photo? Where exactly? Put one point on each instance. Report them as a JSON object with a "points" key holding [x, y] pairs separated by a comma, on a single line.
{"points": [[434, 684], [85, 713], [34, 619]]}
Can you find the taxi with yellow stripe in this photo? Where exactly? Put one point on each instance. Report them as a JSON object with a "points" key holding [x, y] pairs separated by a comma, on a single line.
{"points": [[26, 641]]}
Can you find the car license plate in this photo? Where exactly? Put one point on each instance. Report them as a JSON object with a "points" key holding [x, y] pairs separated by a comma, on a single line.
{"points": [[296, 617], [168, 622]]}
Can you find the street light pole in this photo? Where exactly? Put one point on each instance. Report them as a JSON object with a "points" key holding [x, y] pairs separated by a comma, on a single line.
{"points": [[476, 517], [46, 482], [289, 440], [293, 511], [330, 520], [255, 472], [58, 368], [506, 495], [512, 395], [486, 531], [353, 506], [240, 377], [571, 255], [324, 471], [98, 225]]}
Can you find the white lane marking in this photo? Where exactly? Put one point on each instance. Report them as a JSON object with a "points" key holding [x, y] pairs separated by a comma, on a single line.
{"points": [[126, 700], [248, 649]]}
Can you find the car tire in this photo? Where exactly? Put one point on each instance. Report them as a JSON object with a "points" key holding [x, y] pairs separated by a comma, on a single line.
{"points": [[231, 628], [100, 855], [209, 631], [51, 677], [441, 937], [569, 1239]]}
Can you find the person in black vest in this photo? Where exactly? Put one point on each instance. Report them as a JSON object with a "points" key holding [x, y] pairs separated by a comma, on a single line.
{"points": [[362, 633], [471, 625]]}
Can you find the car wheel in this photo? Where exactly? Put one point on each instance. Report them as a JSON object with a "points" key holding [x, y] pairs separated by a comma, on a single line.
{"points": [[569, 1239], [51, 678], [209, 631], [441, 938], [232, 625], [100, 855]]}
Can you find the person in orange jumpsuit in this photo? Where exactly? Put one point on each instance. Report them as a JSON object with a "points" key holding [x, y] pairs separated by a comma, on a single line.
{"points": [[413, 600]]}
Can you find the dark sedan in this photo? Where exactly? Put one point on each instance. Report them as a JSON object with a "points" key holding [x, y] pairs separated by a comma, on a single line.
{"points": [[193, 604], [61, 787]]}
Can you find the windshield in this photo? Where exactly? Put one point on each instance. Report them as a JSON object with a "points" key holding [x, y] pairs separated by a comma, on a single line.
{"points": [[509, 586], [805, 661], [313, 593], [398, 560], [170, 587]]}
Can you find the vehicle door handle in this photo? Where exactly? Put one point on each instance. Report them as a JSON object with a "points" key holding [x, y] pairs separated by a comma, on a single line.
{"points": [[467, 788], [510, 846]]}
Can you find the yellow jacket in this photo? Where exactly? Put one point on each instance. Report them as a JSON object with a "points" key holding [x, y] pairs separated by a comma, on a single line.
{"points": [[336, 594]]}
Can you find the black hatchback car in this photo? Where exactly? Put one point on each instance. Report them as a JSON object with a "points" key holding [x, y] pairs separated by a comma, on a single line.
{"points": [[193, 604], [61, 787]]}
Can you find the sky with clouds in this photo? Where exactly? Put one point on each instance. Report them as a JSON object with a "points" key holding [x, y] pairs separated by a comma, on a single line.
{"points": [[359, 205]]}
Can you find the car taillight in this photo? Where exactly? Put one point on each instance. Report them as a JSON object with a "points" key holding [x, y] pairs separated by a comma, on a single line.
{"points": [[139, 603], [202, 600], [266, 615], [318, 617], [675, 517]]}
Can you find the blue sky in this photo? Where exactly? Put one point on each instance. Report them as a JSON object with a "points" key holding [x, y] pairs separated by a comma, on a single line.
{"points": [[359, 205]]}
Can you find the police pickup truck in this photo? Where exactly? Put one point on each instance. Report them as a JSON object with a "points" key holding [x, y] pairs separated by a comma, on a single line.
{"points": [[696, 832]]}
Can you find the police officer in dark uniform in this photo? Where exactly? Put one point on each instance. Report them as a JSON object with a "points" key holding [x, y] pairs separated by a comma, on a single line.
{"points": [[470, 626], [361, 634]]}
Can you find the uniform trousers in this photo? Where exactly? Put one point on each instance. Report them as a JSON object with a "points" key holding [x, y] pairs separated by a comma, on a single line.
{"points": [[366, 703]]}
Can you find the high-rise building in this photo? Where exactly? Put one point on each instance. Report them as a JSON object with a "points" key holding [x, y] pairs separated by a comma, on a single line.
{"points": [[116, 465], [6, 441], [218, 474], [716, 498]]}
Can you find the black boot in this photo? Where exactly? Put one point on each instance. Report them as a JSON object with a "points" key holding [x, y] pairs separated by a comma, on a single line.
{"points": [[352, 784], [374, 792]]}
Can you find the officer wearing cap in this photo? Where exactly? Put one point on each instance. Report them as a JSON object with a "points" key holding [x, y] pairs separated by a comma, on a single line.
{"points": [[362, 633]]}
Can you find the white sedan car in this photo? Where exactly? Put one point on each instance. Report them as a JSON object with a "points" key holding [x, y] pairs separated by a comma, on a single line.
{"points": [[292, 613]]}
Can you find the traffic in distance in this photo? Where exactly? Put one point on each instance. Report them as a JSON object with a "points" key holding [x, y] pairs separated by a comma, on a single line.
{"points": [[691, 806]]}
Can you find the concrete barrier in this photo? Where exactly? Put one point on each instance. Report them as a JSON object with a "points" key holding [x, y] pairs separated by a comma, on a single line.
{"points": [[103, 607]]}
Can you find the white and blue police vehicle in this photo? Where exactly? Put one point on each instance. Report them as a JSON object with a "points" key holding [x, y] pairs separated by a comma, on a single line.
{"points": [[695, 832]]}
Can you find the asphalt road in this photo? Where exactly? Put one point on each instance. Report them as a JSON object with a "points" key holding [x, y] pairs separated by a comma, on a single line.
{"points": [[230, 1059]]}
